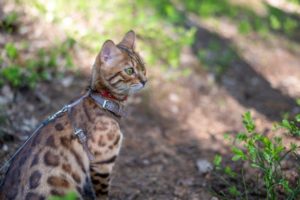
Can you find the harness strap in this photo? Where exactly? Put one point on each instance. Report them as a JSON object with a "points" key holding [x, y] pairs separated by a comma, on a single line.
{"points": [[106, 104], [81, 135]]}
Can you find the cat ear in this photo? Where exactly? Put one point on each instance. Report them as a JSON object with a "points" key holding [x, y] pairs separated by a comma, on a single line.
{"points": [[108, 52], [129, 40]]}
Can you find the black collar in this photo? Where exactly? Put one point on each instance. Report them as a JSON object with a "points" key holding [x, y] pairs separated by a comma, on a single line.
{"points": [[112, 106]]}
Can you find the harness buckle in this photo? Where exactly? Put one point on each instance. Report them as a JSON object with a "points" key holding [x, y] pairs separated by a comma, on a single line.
{"points": [[104, 103], [83, 140], [80, 134]]}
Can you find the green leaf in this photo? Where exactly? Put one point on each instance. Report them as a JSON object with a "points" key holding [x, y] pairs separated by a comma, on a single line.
{"points": [[233, 191], [227, 137], [267, 142], [236, 158], [241, 136], [52, 62], [298, 102], [297, 118], [252, 151], [69, 196], [244, 27], [32, 79], [202, 54], [257, 137], [278, 140], [267, 156], [239, 153], [11, 51], [69, 61], [275, 22], [217, 160], [248, 122], [292, 126], [290, 25], [10, 19], [186, 72], [293, 146], [285, 185], [13, 75], [285, 123], [70, 42], [229, 171], [254, 165]]}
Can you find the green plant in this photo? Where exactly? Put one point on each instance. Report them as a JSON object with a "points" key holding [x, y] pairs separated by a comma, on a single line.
{"points": [[69, 196], [295, 1], [247, 20], [11, 51], [245, 27], [17, 77], [265, 155], [160, 29], [9, 21], [40, 67], [13, 75], [292, 126]]}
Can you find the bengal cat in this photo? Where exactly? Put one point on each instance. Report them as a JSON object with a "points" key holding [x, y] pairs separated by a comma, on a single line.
{"points": [[75, 150]]}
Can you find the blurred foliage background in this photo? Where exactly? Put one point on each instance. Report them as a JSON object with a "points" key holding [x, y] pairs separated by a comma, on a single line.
{"points": [[164, 27]]}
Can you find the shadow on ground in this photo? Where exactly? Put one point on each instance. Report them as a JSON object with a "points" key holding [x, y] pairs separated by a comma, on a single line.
{"points": [[247, 86], [241, 81], [158, 158]]}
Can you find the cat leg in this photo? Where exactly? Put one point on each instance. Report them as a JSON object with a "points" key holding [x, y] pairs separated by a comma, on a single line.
{"points": [[100, 176], [101, 167]]}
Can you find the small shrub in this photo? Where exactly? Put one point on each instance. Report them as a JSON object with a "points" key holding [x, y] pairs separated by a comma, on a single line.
{"points": [[266, 156], [42, 66]]}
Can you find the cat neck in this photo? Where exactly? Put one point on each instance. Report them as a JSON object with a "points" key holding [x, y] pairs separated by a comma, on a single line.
{"points": [[106, 93]]}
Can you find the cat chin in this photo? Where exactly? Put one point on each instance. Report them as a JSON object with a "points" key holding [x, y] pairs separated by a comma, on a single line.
{"points": [[135, 88]]}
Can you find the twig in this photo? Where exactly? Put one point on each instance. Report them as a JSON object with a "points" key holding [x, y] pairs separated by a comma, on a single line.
{"points": [[244, 183], [288, 152]]}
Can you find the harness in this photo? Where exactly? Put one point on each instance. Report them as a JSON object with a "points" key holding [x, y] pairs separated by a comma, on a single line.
{"points": [[109, 105]]}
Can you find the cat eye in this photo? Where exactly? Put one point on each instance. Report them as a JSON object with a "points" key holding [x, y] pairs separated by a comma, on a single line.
{"points": [[129, 71]]}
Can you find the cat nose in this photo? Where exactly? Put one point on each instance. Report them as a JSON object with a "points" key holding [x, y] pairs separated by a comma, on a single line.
{"points": [[144, 82]]}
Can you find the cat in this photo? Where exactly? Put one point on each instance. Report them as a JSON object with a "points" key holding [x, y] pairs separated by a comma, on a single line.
{"points": [[75, 149]]}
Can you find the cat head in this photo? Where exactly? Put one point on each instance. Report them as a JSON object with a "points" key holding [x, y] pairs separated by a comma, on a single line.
{"points": [[118, 69]]}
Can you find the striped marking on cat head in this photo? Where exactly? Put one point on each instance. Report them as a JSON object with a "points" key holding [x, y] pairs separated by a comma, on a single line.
{"points": [[119, 68]]}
